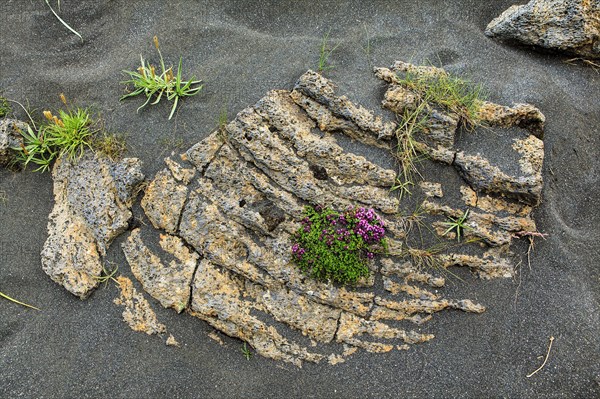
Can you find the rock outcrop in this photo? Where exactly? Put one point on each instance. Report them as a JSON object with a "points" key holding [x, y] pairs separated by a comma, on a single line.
{"points": [[228, 209], [230, 206], [93, 197], [572, 26]]}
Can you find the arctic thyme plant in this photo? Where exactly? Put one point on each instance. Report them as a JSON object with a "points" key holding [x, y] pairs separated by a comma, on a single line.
{"points": [[333, 246], [149, 82]]}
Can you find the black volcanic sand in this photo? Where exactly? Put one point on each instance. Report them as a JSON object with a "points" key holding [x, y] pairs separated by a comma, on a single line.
{"points": [[241, 50]]}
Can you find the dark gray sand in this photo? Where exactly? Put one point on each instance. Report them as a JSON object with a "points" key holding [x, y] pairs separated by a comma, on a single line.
{"points": [[242, 50]]}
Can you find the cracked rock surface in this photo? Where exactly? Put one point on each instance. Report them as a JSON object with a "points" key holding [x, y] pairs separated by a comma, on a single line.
{"points": [[229, 208], [93, 197], [572, 26]]}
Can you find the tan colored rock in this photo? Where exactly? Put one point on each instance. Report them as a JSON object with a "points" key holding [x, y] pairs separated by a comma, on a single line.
{"points": [[92, 206], [217, 298], [163, 201], [572, 26], [138, 313], [323, 91], [525, 116], [169, 283]]}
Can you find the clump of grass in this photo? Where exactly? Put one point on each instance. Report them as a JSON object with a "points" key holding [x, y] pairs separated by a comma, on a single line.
{"points": [[454, 94], [4, 107], [147, 81], [65, 135], [333, 246], [457, 224], [325, 52], [110, 145], [17, 302], [408, 152]]}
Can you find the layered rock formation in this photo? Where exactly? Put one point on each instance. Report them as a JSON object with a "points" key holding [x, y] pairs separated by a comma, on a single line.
{"points": [[227, 210], [571, 26], [231, 204]]}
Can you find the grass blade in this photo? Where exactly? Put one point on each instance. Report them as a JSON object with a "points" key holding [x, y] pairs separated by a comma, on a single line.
{"points": [[63, 22], [18, 302]]}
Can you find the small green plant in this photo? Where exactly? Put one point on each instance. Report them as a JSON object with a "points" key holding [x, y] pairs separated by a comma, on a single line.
{"points": [[3, 197], [107, 276], [457, 224], [4, 107], [65, 135], [17, 302], [333, 246], [61, 20], [246, 351], [325, 52], [146, 80], [455, 94]]}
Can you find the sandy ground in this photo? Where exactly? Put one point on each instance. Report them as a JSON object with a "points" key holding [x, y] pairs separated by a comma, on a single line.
{"points": [[242, 50]]}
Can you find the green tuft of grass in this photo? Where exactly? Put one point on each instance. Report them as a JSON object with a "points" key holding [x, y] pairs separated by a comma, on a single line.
{"points": [[452, 93], [147, 81], [107, 276], [457, 224], [325, 51], [408, 152], [62, 136]]}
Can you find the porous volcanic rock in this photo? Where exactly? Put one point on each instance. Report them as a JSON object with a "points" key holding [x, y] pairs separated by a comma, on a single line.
{"points": [[93, 197], [10, 138], [571, 26], [235, 198], [138, 313]]}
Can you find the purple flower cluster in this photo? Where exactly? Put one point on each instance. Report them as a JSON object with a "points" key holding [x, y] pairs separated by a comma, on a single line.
{"points": [[369, 225]]}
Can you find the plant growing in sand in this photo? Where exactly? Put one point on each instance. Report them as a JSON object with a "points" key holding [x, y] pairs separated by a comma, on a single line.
{"points": [[325, 52], [65, 135], [457, 224], [333, 246], [147, 81], [246, 351], [4, 107]]}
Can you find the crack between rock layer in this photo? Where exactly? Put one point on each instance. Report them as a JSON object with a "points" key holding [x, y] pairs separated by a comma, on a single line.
{"points": [[188, 305], [468, 183]]}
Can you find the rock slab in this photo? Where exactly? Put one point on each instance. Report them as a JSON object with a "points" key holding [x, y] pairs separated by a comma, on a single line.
{"points": [[572, 26], [93, 197]]}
